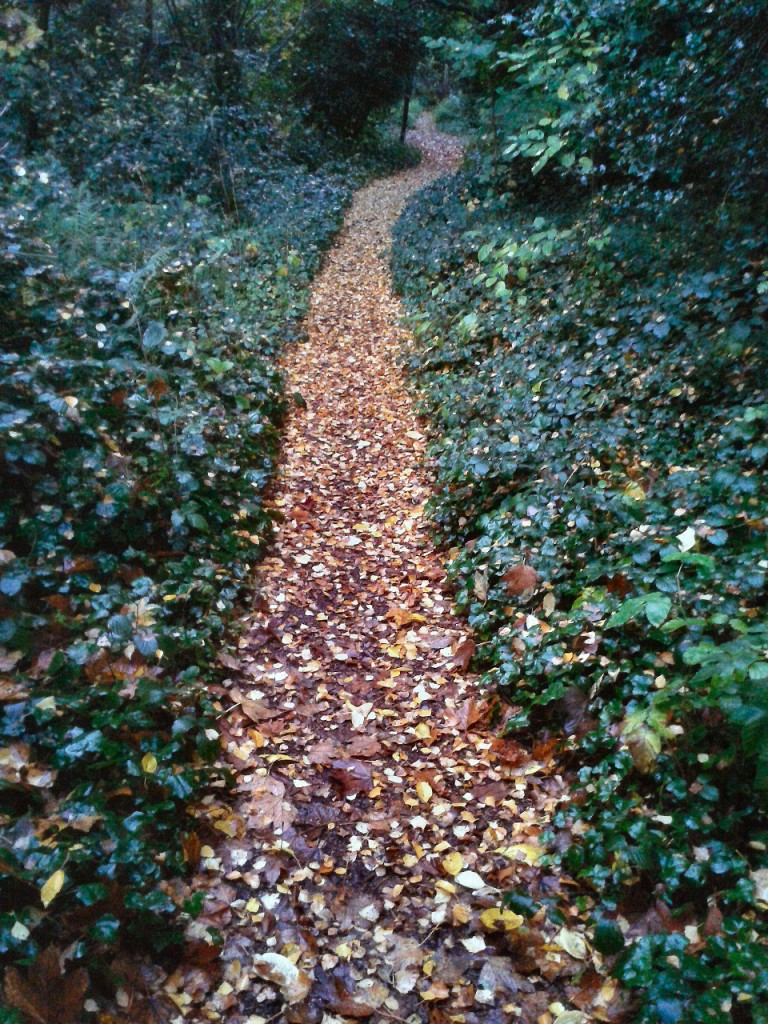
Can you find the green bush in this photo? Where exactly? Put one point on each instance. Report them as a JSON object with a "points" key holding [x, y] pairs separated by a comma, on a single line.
{"points": [[138, 411], [596, 379], [589, 303]]}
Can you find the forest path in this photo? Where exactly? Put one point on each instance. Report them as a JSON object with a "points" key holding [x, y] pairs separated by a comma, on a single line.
{"points": [[357, 872]]}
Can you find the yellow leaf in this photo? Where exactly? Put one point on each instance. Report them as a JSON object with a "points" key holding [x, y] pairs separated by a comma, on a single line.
{"points": [[453, 863], [573, 943], [461, 914], [563, 92], [438, 990], [424, 792], [149, 764], [635, 491], [526, 852], [95, 588], [423, 731], [291, 952], [495, 918], [52, 887]]}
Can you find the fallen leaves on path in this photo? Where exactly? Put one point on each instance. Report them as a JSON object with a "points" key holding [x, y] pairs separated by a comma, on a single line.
{"points": [[359, 870]]}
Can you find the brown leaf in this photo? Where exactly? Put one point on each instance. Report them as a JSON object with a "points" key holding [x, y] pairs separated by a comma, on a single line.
{"points": [[520, 578], [256, 710], [714, 922], [322, 752], [270, 809], [191, 847], [348, 1007], [158, 387], [403, 616], [467, 714], [619, 585], [439, 643], [47, 995], [364, 745], [352, 776], [464, 654]]}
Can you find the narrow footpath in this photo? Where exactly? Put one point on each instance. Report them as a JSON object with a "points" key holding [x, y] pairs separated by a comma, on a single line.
{"points": [[359, 869]]}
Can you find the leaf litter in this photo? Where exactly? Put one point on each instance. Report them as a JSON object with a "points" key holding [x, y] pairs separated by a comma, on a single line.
{"points": [[358, 869]]}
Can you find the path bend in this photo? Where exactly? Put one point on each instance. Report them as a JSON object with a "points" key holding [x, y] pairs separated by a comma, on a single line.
{"points": [[356, 874]]}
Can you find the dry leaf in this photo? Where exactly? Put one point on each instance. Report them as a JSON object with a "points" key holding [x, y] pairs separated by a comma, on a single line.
{"points": [[47, 995], [270, 808], [573, 943], [474, 945], [52, 887], [497, 919], [352, 776], [424, 791], [464, 654], [453, 863], [520, 578], [470, 880], [294, 984]]}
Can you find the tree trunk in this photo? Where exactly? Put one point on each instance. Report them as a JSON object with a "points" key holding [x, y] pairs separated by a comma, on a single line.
{"points": [[148, 44], [406, 108], [223, 19], [44, 15]]}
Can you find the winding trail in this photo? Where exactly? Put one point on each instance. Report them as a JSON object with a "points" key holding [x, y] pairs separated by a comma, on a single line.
{"points": [[358, 871]]}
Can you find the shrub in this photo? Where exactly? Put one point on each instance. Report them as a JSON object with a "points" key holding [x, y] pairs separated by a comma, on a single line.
{"points": [[594, 370]]}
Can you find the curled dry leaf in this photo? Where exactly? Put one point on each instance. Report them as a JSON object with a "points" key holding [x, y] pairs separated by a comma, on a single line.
{"points": [[464, 654], [294, 984], [498, 919], [520, 578]]}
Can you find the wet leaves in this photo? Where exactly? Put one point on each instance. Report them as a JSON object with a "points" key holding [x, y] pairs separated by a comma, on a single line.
{"points": [[378, 820], [47, 994]]}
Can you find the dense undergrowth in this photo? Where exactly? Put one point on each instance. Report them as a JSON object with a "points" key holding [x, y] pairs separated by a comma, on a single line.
{"points": [[150, 281], [602, 421], [591, 352]]}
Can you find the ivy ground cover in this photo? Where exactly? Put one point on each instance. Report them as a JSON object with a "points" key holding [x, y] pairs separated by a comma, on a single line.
{"points": [[594, 372], [139, 405]]}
